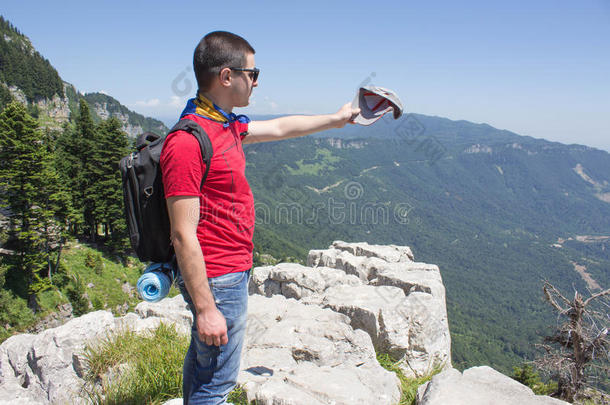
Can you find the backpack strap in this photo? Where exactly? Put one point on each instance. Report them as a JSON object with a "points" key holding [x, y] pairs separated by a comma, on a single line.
{"points": [[195, 129]]}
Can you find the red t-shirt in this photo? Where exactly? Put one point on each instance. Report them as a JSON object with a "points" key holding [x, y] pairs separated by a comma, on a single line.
{"points": [[226, 217]]}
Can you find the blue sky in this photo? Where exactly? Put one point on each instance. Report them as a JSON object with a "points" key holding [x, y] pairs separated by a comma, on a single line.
{"points": [[536, 68]]}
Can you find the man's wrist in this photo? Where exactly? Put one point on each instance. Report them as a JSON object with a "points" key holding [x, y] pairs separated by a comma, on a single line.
{"points": [[336, 120], [205, 302], [205, 307]]}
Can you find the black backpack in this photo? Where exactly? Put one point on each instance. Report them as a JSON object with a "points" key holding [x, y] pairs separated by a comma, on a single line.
{"points": [[145, 209]]}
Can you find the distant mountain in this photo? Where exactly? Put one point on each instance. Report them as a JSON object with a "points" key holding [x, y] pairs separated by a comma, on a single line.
{"points": [[497, 211], [105, 106], [30, 78]]}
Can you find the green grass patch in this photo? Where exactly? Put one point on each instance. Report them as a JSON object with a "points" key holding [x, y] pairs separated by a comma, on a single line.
{"points": [[15, 316], [173, 291], [321, 163], [238, 397], [146, 369], [100, 278], [143, 368], [50, 300], [87, 279], [408, 386]]}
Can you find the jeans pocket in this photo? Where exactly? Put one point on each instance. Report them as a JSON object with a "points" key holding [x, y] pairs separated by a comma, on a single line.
{"points": [[231, 296], [227, 280]]}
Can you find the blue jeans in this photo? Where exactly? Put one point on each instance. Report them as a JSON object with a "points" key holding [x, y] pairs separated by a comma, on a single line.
{"points": [[210, 372]]}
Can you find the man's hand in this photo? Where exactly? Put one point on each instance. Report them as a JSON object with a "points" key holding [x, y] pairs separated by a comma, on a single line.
{"points": [[212, 327], [346, 114]]}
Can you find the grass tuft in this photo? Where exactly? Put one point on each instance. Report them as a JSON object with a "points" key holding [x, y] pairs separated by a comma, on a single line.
{"points": [[134, 368], [238, 397], [408, 386], [131, 368]]}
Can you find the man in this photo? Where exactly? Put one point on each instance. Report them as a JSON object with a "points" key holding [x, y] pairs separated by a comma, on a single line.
{"points": [[212, 226]]}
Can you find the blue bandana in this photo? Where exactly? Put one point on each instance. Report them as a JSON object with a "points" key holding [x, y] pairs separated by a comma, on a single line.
{"points": [[203, 107]]}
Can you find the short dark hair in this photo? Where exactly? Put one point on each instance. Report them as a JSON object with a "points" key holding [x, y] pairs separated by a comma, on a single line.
{"points": [[217, 50]]}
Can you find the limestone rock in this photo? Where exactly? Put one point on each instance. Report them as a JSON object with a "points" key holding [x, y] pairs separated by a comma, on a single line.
{"points": [[478, 386], [412, 329], [400, 303], [175, 401], [310, 385], [169, 310], [54, 319], [57, 108], [296, 281], [48, 368], [303, 354], [311, 339], [411, 277], [364, 268], [44, 365], [103, 111], [389, 253], [18, 94]]}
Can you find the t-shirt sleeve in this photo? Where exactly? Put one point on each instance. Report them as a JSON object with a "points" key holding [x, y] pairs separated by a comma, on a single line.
{"points": [[243, 130], [182, 167]]}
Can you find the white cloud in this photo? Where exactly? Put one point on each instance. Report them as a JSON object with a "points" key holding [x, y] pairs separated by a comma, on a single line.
{"points": [[153, 102], [166, 110], [176, 101]]}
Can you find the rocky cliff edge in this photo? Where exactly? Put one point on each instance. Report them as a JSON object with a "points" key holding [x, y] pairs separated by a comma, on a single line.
{"points": [[313, 334]]}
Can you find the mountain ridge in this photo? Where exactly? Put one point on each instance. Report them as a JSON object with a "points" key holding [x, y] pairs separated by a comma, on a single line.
{"points": [[431, 125], [27, 76]]}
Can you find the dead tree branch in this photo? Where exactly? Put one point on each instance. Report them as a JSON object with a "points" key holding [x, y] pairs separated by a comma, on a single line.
{"points": [[578, 345]]}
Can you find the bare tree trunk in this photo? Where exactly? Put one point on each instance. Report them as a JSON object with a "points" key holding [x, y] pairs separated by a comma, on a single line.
{"points": [[578, 342], [61, 245]]}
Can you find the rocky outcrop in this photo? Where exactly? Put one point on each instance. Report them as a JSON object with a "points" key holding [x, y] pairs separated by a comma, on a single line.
{"points": [[313, 334], [54, 319], [296, 353], [302, 354], [56, 108], [102, 111], [47, 368], [345, 144], [398, 302], [105, 106], [16, 93], [478, 386]]}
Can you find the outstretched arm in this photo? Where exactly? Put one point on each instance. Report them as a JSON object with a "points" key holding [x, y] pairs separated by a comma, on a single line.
{"points": [[298, 125]]}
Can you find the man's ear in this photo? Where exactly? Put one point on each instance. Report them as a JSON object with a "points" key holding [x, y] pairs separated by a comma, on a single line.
{"points": [[225, 77]]}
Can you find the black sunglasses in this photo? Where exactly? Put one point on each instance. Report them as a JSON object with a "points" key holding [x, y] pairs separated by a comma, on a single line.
{"points": [[253, 73]]}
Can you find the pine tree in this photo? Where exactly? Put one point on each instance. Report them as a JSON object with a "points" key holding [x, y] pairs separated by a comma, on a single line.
{"points": [[87, 133], [69, 165], [32, 192], [74, 159], [527, 376], [112, 145]]}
